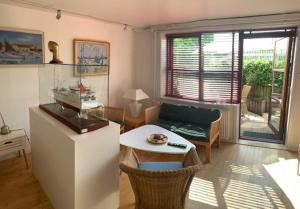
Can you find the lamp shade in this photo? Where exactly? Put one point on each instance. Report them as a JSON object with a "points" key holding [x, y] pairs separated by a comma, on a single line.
{"points": [[135, 94]]}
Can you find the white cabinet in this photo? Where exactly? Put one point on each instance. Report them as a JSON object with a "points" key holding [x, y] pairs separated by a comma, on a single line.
{"points": [[76, 171]]}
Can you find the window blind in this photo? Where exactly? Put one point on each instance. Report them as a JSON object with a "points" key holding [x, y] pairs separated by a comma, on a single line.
{"points": [[204, 67]]}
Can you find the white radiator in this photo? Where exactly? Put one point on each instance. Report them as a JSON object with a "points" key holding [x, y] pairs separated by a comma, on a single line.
{"points": [[230, 123]]}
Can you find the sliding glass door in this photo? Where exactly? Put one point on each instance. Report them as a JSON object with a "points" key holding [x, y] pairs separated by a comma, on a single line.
{"points": [[267, 65]]}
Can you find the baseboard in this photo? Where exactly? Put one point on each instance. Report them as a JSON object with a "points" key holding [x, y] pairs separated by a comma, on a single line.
{"points": [[267, 145]]}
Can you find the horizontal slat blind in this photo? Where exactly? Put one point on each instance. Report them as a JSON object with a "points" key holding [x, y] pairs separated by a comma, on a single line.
{"points": [[204, 67], [183, 62], [219, 59]]}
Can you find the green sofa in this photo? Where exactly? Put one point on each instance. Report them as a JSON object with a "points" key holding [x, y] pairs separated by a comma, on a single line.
{"points": [[198, 125]]}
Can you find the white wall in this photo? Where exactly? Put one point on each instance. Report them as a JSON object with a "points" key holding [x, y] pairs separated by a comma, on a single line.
{"points": [[144, 59], [19, 87], [293, 132]]}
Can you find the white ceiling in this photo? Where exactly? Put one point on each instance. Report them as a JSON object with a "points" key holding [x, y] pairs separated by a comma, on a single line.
{"points": [[142, 13]]}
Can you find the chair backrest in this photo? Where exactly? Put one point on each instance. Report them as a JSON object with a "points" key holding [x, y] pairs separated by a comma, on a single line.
{"points": [[245, 91], [114, 113], [188, 114], [163, 189]]}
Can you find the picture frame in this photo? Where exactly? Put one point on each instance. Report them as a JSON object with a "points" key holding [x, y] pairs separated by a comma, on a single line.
{"points": [[93, 57], [21, 47]]}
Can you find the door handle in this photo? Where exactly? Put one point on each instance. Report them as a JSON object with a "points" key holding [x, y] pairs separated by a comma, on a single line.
{"points": [[9, 142]]}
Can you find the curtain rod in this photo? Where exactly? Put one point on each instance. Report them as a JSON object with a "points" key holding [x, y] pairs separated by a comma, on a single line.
{"points": [[286, 18]]}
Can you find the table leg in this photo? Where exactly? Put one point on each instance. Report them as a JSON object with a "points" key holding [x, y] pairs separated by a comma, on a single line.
{"points": [[298, 171], [25, 159], [19, 153], [298, 168]]}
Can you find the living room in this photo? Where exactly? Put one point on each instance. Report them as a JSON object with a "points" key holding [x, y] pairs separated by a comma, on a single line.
{"points": [[168, 65]]}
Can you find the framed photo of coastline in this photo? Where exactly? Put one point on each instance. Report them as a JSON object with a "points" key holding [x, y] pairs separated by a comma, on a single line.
{"points": [[19, 46], [93, 57]]}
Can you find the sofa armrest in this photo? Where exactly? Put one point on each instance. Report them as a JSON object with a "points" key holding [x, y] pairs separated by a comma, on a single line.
{"points": [[152, 114], [214, 129]]}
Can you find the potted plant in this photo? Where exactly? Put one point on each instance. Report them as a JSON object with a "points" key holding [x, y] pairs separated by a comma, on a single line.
{"points": [[258, 74]]}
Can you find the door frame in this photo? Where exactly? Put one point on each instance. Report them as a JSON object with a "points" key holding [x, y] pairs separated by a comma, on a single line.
{"points": [[279, 133], [272, 33]]}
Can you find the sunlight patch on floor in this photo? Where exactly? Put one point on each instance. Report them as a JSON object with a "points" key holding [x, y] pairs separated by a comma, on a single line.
{"points": [[285, 175], [254, 117], [203, 191], [241, 194], [241, 169]]}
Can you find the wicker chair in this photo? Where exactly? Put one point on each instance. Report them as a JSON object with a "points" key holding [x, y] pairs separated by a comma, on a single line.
{"points": [[114, 114], [245, 93], [117, 115], [161, 189]]}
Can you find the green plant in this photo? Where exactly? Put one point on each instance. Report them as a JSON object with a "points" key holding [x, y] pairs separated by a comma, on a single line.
{"points": [[280, 64], [257, 72]]}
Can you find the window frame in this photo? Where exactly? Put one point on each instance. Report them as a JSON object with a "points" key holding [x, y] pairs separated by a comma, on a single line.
{"points": [[201, 71], [253, 33]]}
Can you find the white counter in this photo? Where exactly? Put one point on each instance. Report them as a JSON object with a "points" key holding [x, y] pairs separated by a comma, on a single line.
{"points": [[76, 171]]}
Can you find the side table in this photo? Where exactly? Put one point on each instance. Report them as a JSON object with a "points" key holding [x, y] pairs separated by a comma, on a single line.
{"points": [[12, 142], [134, 122]]}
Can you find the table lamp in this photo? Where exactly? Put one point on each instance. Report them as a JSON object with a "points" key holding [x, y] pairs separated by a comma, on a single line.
{"points": [[4, 128], [135, 95]]}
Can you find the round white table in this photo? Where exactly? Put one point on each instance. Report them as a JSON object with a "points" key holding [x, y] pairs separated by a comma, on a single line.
{"points": [[137, 139]]}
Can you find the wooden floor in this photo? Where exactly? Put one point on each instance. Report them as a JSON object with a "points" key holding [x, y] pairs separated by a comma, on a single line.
{"points": [[235, 178]]}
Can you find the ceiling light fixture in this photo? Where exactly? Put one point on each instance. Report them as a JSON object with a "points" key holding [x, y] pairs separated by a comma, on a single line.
{"points": [[58, 15]]}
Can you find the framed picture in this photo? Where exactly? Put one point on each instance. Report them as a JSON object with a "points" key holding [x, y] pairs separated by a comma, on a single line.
{"points": [[94, 54], [21, 46]]}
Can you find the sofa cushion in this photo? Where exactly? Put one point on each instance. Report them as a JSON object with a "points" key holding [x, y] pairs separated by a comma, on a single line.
{"points": [[201, 116], [160, 166], [169, 125], [188, 114], [172, 112], [193, 131]]}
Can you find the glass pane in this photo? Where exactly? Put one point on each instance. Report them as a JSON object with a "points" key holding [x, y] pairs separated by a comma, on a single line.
{"points": [[186, 53], [76, 100], [217, 51], [185, 74], [279, 66]]}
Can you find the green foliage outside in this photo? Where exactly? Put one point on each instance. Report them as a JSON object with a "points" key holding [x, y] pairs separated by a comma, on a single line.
{"points": [[206, 38], [186, 42], [259, 73]]}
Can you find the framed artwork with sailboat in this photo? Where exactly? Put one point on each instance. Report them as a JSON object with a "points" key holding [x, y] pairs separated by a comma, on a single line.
{"points": [[91, 53]]}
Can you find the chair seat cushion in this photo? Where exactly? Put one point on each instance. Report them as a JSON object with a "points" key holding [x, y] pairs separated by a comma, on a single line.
{"points": [[160, 166], [194, 132], [168, 124]]}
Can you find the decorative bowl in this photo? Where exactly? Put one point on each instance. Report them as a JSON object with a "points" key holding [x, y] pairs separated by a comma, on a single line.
{"points": [[157, 139]]}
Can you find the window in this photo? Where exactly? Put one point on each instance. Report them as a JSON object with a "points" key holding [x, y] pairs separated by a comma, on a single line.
{"points": [[204, 67]]}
